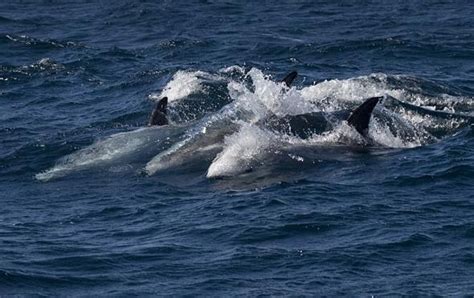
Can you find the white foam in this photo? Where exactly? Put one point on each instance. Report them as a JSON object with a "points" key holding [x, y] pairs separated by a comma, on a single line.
{"points": [[233, 69], [333, 95], [382, 135], [241, 150], [343, 133], [277, 97], [183, 84], [268, 98]]}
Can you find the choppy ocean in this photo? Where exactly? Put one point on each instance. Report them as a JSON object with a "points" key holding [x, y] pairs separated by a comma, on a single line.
{"points": [[217, 203]]}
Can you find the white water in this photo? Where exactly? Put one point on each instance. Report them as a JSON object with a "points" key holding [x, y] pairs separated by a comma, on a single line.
{"points": [[182, 84], [241, 151]]}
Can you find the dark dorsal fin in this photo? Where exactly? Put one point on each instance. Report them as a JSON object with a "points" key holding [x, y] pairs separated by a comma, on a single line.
{"points": [[360, 117], [288, 80], [158, 116]]}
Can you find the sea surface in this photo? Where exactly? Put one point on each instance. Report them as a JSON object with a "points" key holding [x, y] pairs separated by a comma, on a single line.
{"points": [[218, 202]]}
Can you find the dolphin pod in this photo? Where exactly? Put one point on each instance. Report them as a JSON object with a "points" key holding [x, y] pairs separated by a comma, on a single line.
{"points": [[237, 145], [301, 125]]}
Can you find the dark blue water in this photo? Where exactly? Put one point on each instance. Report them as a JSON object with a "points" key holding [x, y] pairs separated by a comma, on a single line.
{"points": [[216, 203]]}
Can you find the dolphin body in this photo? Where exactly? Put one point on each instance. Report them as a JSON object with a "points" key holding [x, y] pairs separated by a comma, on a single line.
{"points": [[305, 125]]}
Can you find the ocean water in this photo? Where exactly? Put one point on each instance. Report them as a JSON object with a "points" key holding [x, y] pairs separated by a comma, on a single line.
{"points": [[218, 203]]}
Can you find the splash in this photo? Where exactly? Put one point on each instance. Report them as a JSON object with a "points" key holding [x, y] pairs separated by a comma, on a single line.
{"points": [[183, 84], [334, 95], [268, 97], [234, 69], [241, 151], [343, 133]]}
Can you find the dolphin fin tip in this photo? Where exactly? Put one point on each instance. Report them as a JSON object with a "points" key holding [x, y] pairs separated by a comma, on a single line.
{"points": [[289, 78]]}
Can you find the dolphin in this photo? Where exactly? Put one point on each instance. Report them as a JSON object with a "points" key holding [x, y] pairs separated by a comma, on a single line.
{"points": [[305, 125], [249, 147], [158, 116]]}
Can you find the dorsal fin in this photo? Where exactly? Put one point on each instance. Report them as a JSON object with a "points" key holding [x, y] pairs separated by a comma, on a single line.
{"points": [[288, 80], [360, 117], [158, 116]]}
